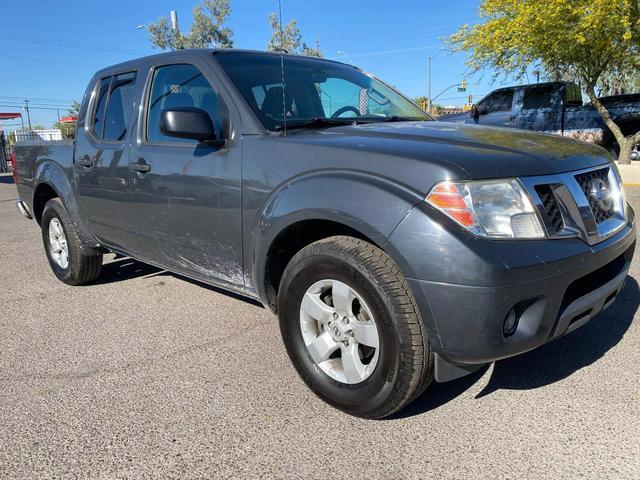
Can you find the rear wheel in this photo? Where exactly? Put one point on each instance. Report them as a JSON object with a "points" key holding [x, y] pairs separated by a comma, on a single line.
{"points": [[63, 247], [352, 328]]}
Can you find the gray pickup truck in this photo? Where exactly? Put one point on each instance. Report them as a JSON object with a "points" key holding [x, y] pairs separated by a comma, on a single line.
{"points": [[557, 108], [395, 249]]}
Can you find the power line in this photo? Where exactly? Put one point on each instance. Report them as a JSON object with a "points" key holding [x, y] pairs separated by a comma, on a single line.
{"points": [[399, 50], [34, 107], [40, 104], [22, 37], [39, 98], [419, 32], [52, 60]]}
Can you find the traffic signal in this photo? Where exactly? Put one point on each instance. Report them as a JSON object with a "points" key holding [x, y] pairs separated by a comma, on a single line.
{"points": [[462, 86]]}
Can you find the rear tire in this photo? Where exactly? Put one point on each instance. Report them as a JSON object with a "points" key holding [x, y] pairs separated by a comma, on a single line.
{"points": [[64, 248], [396, 370]]}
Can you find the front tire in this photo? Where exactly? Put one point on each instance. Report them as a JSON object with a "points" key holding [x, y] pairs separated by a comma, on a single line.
{"points": [[64, 248], [352, 328]]}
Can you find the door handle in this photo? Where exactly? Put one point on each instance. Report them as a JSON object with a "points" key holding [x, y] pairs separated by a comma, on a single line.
{"points": [[140, 166], [86, 161]]}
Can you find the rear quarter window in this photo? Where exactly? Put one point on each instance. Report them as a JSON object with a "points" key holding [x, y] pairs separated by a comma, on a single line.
{"points": [[538, 98]]}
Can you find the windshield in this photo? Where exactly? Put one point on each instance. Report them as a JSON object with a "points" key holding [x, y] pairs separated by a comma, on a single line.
{"points": [[314, 90]]}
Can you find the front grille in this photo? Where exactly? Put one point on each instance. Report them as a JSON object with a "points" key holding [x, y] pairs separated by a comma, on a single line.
{"points": [[589, 183], [551, 207]]}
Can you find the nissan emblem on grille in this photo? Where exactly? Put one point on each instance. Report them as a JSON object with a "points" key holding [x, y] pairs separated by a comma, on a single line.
{"points": [[596, 187], [601, 194]]}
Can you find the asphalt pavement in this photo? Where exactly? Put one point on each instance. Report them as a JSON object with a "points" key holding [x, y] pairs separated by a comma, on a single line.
{"points": [[148, 375]]}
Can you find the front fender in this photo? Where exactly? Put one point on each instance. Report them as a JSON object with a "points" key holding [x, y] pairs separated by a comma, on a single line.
{"points": [[370, 204], [53, 175]]}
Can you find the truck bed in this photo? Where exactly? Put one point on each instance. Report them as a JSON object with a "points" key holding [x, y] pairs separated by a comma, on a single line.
{"points": [[33, 155]]}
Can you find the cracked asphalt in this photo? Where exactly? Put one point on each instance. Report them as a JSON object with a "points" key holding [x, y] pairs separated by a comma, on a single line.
{"points": [[145, 374]]}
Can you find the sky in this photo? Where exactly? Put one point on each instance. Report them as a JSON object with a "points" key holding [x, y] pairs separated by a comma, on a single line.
{"points": [[50, 50]]}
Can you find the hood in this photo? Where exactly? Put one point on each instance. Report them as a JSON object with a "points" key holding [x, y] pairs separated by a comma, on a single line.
{"points": [[478, 151]]}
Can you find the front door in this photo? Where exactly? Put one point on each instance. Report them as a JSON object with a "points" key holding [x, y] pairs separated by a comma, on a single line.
{"points": [[102, 160], [187, 198]]}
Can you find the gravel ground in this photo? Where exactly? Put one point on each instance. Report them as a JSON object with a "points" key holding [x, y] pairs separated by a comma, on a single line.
{"points": [[146, 374]]}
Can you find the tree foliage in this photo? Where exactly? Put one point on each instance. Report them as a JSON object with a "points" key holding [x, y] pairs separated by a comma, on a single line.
{"points": [[289, 38], [586, 40], [207, 29], [69, 129]]}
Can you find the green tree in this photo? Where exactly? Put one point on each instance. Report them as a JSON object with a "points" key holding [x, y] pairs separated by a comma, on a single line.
{"points": [[207, 29], [289, 38], [583, 39], [69, 129]]}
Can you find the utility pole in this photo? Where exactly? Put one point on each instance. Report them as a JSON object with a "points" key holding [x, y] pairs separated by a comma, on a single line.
{"points": [[26, 107]]}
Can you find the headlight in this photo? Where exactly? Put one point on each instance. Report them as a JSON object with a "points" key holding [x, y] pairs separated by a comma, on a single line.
{"points": [[492, 209]]}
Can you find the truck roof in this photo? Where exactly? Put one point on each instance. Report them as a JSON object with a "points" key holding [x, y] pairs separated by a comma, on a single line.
{"points": [[540, 84], [179, 53]]}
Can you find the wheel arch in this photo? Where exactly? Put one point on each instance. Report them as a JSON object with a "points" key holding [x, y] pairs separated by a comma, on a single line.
{"points": [[317, 206], [51, 181]]}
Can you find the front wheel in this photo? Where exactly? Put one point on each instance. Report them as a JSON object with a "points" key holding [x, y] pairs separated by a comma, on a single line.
{"points": [[352, 328], [64, 248]]}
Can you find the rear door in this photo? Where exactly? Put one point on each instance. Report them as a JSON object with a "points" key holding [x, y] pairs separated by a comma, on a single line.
{"points": [[187, 204], [496, 110], [102, 158], [541, 109]]}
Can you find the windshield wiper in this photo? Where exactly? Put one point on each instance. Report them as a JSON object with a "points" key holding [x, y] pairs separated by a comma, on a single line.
{"points": [[318, 122]]}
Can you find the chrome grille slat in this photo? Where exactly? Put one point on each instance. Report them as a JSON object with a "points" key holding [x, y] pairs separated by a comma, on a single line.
{"points": [[551, 207]]}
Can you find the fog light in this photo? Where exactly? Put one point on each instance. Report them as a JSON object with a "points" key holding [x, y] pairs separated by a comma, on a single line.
{"points": [[510, 323]]}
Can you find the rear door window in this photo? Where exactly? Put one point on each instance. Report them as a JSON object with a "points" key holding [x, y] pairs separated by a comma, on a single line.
{"points": [[120, 106], [101, 105], [116, 96], [537, 98]]}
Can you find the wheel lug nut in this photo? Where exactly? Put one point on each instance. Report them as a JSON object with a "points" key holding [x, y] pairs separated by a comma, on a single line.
{"points": [[351, 333], [345, 320], [335, 316]]}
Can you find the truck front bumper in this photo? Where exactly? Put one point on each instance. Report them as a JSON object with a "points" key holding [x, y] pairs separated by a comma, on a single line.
{"points": [[549, 287]]}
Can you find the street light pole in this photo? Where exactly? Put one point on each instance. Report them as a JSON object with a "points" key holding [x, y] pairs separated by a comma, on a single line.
{"points": [[429, 75], [429, 93]]}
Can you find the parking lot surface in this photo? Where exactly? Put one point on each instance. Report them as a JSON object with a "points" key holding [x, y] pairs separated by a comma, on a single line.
{"points": [[146, 374]]}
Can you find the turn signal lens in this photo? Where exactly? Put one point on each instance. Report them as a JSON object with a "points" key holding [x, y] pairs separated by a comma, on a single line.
{"points": [[492, 208], [448, 198]]}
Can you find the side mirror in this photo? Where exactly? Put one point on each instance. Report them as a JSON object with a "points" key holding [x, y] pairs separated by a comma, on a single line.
{"points": [[189, 122], [473, 113]]}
